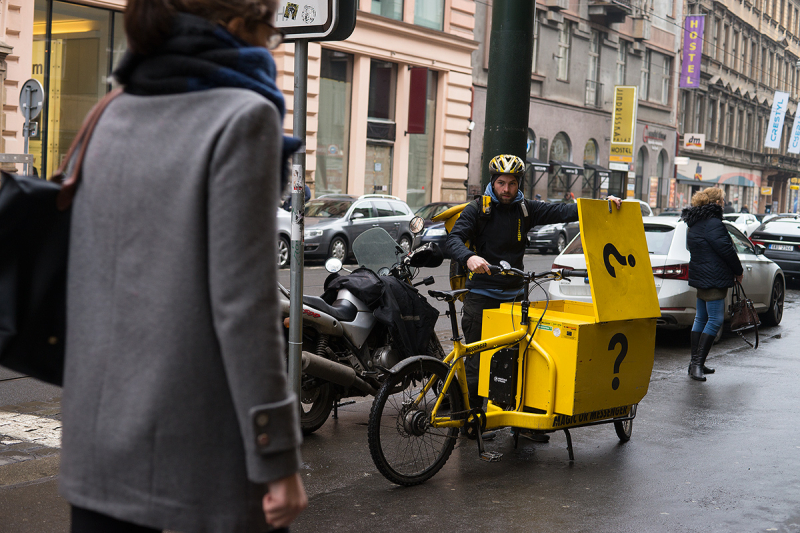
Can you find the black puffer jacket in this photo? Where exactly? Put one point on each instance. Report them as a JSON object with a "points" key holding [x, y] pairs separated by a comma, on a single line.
{"points": [[502, 236], [714, 261]]}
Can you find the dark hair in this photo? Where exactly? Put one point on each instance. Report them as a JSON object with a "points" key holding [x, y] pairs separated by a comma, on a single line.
{"points": [[148, 22]]}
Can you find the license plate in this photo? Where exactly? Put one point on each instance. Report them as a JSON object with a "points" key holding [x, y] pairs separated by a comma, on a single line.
{"points": [[782, 247]]}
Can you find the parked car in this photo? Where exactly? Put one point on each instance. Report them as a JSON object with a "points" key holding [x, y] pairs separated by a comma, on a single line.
{"points": [[552, 237], [333, 221], [428, 211], [644, 206], [781, 240], [284, 237], [434, 232], [744, 221], [763, 279]]}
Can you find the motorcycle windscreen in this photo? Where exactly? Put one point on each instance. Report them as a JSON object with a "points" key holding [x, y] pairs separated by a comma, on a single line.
{"points": [[375, 249]]}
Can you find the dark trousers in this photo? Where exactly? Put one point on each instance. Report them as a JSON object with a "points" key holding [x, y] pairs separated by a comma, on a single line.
{"points": [[86, 521], [471, 323]]}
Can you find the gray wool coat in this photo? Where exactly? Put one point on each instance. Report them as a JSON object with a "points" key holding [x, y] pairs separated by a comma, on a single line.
{"points": [[174, 345]]}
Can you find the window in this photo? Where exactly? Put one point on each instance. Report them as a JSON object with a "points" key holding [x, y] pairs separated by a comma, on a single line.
{"points": [[590, 181], [592, 92], [641, 168], [699, 111], [382, 208], [726, 34], [644, 80], [685, 122], [763, 66], [560, 150], [665, 80], [392, 9], [748, 136], [535, 44], [564, 36], [734, 49], [730, 126], [719, 43], [711, 125], [382, 83], [753, 58], [714, 38], [85, 45], [743, 59], [429, 14], [622, 60], [780, 15], [335, 90], [739, 130], [420, 151]]}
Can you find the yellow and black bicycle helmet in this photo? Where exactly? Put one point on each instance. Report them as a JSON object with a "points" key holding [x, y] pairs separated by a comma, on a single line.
{"points": [[506, 164]]}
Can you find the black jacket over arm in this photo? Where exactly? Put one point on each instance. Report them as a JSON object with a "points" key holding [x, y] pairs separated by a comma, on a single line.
{"points": [[714, 261], [502, 236]]}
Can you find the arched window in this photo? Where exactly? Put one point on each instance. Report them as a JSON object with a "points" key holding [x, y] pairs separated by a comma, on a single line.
{"points": [[560, 150], [530, 149], [591, 183]]}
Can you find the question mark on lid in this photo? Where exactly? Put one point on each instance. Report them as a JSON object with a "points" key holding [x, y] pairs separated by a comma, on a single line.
{"points": [[618, 338], [609, 250]]}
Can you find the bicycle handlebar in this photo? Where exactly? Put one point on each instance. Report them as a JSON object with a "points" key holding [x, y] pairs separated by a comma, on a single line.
{"points": [[563, 273]]}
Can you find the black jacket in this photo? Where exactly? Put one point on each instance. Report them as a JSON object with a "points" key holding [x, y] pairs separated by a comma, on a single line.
{"points": [[714, 262], [502, 236]]}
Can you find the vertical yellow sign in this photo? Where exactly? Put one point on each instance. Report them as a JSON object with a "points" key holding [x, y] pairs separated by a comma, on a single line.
{"points": [[623, 124]]}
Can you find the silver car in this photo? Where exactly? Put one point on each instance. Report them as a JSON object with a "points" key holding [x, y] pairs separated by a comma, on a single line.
{"points": [[333, 221], [763, 280]]}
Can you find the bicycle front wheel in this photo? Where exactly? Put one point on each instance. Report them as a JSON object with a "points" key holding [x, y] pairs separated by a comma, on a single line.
{"points": [[406, 449]]}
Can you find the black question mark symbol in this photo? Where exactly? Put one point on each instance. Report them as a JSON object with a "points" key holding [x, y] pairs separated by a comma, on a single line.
{"points": [[609, 250], [618, 338]]}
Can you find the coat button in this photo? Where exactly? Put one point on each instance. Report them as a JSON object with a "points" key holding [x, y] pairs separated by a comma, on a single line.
{"points": [[263, 440], [262, 419]]}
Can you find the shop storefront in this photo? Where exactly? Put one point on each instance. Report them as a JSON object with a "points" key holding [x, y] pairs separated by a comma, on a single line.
{"points": [[74, 50], [741, 186]]}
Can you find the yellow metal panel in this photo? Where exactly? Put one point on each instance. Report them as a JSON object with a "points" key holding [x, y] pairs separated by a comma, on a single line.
{"points": [[620, 274]]}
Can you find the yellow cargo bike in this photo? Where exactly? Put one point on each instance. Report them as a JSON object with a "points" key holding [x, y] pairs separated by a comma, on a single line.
{"points": [[546, 366]]}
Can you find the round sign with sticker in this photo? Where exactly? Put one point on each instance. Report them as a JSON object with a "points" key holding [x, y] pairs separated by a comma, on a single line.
{"points": [[556, 332]]}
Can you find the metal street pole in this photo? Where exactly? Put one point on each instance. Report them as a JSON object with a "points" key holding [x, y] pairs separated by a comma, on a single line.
{"points": [[298, 212], [508, 94]]}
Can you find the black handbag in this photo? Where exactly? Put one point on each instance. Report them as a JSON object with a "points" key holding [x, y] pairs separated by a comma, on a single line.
{"points": [[743, 313], [34, 244]]}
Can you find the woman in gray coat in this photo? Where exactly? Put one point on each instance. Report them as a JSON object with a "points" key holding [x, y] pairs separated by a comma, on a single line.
{"points": [[176, 409]]}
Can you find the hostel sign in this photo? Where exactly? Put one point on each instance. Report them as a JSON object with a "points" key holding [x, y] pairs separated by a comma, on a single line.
{"points": [[692, 51], [623, 127]]}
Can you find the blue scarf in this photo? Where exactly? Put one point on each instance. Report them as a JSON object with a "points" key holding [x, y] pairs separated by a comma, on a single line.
{"points": [[199, 55]]}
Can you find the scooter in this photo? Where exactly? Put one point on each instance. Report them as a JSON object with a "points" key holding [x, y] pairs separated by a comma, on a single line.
{"points": [[347, 351]]}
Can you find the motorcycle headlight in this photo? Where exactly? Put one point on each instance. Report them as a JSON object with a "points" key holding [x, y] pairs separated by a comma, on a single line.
{"points": [[312, 233], [435, 232]]}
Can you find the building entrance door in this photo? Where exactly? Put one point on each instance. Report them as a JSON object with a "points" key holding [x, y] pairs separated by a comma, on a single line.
{"points": [[378, 175]]}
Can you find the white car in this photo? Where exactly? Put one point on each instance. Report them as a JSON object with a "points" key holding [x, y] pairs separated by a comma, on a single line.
{"points": [[644, 206], [745, 222], [763, 280]]}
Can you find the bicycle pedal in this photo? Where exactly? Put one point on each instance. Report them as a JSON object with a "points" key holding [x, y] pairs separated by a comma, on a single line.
{"points": [[491, 457]]}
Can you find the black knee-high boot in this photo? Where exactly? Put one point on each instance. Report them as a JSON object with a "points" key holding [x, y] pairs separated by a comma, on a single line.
{"points": [[704, 346], [695, 336]]}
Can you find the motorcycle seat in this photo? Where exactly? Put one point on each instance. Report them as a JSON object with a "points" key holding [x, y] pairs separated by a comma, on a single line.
{"points": [[448, 296], [342, 310]]}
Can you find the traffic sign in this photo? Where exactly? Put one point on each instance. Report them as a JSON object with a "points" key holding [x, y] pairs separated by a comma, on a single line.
{"points": [[31, 99], [316, 20]]}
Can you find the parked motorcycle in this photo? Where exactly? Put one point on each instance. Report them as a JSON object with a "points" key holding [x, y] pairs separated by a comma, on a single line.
{"points": [[349, 338]]}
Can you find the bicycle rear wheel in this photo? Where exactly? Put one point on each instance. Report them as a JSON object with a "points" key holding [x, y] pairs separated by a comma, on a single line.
{"points": [[404, 446]]}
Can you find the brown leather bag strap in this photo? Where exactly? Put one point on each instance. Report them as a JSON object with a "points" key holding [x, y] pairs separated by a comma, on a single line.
{"points": [[74, 163]]}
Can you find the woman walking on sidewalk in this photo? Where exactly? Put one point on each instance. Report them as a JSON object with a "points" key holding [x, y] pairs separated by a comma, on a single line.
{"points": [[712, 269], [176, 409]]}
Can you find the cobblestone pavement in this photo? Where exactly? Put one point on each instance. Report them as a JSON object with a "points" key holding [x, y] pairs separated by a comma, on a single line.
{"points": [[30, 430]]}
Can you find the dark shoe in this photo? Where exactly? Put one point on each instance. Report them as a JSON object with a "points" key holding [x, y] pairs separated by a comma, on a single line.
{"points": [[695, 336], [535, 436], [488, 435], [696, 372]]}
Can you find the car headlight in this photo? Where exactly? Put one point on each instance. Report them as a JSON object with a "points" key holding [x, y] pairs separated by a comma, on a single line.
{"points": [[435, 232], [312, 233], [549, 228]]}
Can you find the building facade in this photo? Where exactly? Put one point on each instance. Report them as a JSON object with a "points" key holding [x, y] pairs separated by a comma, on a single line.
{"points": [[388, 109], [750, 50], [581, 51]]}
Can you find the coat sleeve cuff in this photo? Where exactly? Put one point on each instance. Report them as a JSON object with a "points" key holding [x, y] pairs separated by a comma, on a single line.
{"points": [[276, 426]]}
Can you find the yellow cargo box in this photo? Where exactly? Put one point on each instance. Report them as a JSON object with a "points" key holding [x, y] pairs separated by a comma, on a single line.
{"points": [[589, 359]]}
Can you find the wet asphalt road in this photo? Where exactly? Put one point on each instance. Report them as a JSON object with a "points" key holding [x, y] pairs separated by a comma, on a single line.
{"points": [[720, 456]]}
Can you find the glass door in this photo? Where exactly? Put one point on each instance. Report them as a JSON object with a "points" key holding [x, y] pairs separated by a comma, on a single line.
{"points": [[378, 176]]}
